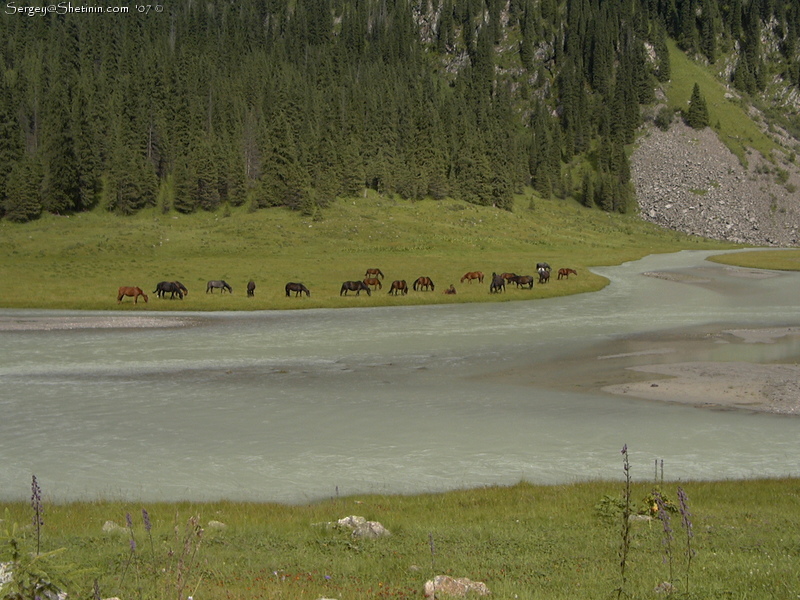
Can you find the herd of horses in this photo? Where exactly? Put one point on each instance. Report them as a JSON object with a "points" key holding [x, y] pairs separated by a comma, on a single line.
{"points": [[371, 282]]}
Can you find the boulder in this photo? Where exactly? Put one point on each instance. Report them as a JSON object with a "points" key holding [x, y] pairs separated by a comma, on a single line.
{"points": [[444, 585], [363, 528]]}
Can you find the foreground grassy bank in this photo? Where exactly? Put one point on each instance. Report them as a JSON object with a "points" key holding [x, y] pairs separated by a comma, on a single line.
{"points": [[78, 262], [523, 541]]}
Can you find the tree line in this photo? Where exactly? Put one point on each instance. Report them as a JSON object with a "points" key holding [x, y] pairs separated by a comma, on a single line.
{"points": [[294, 103]]}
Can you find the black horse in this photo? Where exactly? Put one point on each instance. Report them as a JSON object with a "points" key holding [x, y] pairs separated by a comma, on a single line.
{"points": [[251, 288], [542, 265], [170, 287], [354, 286], [221, 285], [498, 284], [298, 288]]}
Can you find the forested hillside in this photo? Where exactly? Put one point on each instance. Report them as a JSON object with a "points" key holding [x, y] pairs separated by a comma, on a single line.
{"points": [[296, 102]]}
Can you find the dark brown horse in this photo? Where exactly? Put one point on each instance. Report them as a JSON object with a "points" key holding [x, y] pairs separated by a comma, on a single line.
{"points": [[354, 286], [544, 275], [374, 282], [451, 289], [542, 265], [498, 284], [523, 280], [298, 288], [399, 285], [508, 277], [472, 275], [251, 288], [131, 291], [565, 273], [423, 282], [373, 273]]}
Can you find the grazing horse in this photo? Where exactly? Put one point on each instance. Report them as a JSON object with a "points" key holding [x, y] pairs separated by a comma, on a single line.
{"points": [[565, 273], [524, 280], [170, 287], [354, 286], [222, 285], [544, 275], [251, 288], [399, 285], [131, 291], [542, 265], [498, 284], [472, 275], [508, 277], [373, 273], [451, 289], [374, 282], [298, 288], [423, 282]]}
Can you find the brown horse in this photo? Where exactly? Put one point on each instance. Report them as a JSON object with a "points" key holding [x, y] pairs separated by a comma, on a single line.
{"points": [[565, 273], [508, 277], [373, 273], [131, 291], [251, 288], [523, 280], [374, 282], [451, 289], [423, 282], [399, 285], [472, 275]]}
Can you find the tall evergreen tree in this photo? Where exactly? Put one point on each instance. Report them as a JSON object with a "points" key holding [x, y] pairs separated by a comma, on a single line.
{"points": [[697, 113]]}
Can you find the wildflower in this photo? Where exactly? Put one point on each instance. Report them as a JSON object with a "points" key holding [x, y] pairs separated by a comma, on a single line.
{"points": [[146, 518]]}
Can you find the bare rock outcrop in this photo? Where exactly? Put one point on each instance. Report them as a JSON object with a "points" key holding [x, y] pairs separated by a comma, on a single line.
{"points": [[687, 180]]}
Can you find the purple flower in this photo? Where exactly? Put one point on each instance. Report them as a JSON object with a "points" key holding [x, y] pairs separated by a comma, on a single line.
{"points": [[146, 517]]}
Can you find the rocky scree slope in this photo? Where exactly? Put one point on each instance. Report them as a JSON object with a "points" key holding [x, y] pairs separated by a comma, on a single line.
{"points": [[687, 180]]}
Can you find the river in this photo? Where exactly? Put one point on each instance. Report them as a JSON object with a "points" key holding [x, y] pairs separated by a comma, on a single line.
{"points": [[302, 405]]}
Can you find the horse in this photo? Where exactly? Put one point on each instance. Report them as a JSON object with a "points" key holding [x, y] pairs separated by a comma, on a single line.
{"points": [[472, 275], [222, 285], [523, 280], [131, 291], [451, 289], [542, 265], [251, 288], [498, 284], [298, 288], [565, 273], [508, 277], [354, 286], [399, 285], [374, 282], [373, 273], [423, 282], [170, 287], [544, 275]]}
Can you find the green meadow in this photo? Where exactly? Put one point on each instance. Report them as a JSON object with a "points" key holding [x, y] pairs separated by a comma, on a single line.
{"points": [[731, 540], [80, 261]]}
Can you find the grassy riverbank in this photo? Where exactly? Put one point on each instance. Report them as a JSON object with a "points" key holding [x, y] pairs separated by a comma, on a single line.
{"points": [[523, 541], [78, 262]]}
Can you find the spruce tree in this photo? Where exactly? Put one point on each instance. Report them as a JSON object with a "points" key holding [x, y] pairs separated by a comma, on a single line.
{"points": [[697, 114]]}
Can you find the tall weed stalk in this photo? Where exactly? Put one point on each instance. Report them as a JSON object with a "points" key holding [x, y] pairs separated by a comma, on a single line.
{"points": [[625, 541]]}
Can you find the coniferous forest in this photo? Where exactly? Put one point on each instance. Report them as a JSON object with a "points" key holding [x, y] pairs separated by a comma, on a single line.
{"points": [[263, 103]]}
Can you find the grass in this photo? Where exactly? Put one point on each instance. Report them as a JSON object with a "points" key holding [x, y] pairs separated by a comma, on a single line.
{"points": [[727, 115], [781, 260], [524, 541], [78, 262]]}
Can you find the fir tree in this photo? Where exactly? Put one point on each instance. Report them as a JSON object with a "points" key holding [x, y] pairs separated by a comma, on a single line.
{"points": [[697, 114]]}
